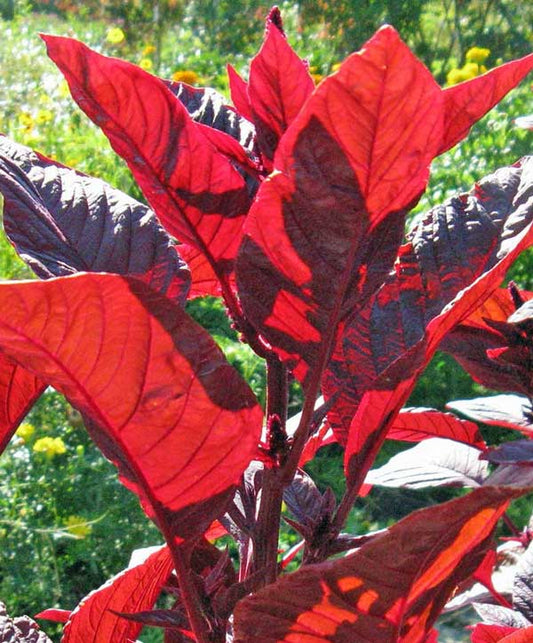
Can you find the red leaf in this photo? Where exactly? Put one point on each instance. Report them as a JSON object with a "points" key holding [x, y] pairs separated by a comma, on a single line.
{"points": [[279, 85], [485, 633], [151, 129], [56, 615], [133, 590], [158, 395], [239, 93], [319, 236], [416, 424], [391, 589], [19, 390], [467, 102]]}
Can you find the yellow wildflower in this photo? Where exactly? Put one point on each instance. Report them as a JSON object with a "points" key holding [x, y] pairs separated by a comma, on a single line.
{"points": [[336, 67], [50, 446], [148, 51], [44, 116], [477, 55], [78, 527], [471, 70], [186, 76], [63, 89], [115, 36], [317, 78], [146, 64], [25, 431], [455, 76], [26, 120]]}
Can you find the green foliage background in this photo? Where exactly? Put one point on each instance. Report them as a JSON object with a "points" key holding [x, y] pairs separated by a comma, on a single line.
{"points": [[42, 563]]}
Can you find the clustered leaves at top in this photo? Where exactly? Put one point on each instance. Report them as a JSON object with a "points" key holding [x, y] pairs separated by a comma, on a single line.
{"points": [[291, 205]]}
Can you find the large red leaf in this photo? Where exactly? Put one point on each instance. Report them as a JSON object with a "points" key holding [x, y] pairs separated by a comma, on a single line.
{"points": [[466, 103], [501, 634], [278, 87], [158, 395], [391, 589], [197, 193], [319, 236], [133, 590]]}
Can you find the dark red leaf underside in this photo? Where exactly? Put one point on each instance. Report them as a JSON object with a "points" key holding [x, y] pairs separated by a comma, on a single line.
{"points": [[416, 424], [319, 236], [133, 590], [432, 463], [196, 192], [62, 222], [279, 85], [391, 589], [471, 242], [467, 102], [470, 342], [158, 396]]}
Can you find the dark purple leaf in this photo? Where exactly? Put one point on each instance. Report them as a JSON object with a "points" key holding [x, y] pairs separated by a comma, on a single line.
{"points": [[499, 615], [21, 629], [517, 452], [432, 463], [61, 222], [523, 585]]}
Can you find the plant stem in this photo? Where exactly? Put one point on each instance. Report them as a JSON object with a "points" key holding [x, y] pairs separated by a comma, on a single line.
{"points": [[189, 596], [266, 536]]}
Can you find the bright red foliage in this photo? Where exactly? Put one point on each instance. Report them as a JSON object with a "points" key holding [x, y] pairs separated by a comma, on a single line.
{"points": [[291, 205]]}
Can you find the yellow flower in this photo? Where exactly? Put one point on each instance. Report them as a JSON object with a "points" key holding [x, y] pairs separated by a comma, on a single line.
{"points": [[477, 55], [26, 120], [148, 51], [78, 527], [115, 36], [44, 116], [63, 89], [25, 431], [50, 446], [336, 67], [146, 64], [186, 76], [455, 76], [471, 70], [317, 78]]}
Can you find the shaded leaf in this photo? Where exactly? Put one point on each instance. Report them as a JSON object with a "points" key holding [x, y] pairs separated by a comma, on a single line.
{"points": [[415, 308], [158, 396], [303, 498], [499, 615], [523, 585], [518, 451], [480, 344], [432, 463], [163, 147], [21, 629], [416, 424], [135, 589], [511, 411], [391, 589], [512, 475], [62, 222]]}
